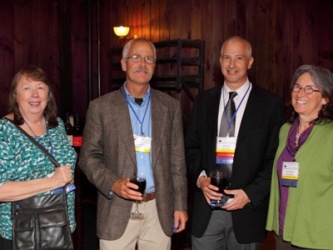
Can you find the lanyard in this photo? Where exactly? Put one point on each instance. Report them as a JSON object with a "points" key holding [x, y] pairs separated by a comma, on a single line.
{"points": [[234, 115], [46, 135], [136, 115]]}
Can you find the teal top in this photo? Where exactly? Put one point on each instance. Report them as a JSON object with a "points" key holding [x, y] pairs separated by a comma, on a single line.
{"points": [[309, 218], [21, 160]]}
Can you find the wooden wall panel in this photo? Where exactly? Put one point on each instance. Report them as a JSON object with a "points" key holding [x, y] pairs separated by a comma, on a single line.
{"points": [[145, 18], [135, 17], [196, 17], [209, 29], [36, 28], [79, 48], [229, 17], [303, 31], [251, 34], [7, 68], [29, 35], [178, 19], [310, 32], [283, 33], [106, 30], [196, 31], [266, 51], [214, 38], [154, 20], [65, 58], [164, 20], [241, 11], [325, 34]]}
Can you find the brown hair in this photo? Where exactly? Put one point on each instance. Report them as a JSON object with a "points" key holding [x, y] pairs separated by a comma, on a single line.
{"points": [[35, 73]]}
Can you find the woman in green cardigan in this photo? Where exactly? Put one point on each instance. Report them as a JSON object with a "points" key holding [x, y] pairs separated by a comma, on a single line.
{"points": [[301, 201]]}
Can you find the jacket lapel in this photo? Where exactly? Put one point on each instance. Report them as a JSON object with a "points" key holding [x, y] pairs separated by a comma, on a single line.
{"points": [[159, 116], [123, 123], [250, 112], [212, 112]]}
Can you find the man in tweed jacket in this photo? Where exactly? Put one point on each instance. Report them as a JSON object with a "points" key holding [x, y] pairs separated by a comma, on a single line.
{"points": [[110, 156]]}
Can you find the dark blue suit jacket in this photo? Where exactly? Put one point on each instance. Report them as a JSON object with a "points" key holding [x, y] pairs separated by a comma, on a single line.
{"points": [[255, 150]]}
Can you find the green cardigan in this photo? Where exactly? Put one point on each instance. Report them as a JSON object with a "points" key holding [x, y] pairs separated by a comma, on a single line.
{"points": [[309, 212]]}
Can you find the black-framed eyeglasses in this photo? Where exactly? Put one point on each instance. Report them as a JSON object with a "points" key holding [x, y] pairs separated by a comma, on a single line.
{"points": [[308, 89], [137, 59]]}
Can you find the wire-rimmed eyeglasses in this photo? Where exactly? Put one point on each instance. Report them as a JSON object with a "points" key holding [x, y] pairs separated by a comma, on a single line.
{"points": [[137, 59], [308, 89]]}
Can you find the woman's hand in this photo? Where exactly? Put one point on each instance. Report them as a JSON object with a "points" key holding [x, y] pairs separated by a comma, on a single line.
{"points": [[62, 176], [18, 190]]}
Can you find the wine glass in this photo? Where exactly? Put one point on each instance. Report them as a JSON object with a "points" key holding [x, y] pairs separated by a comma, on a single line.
{"points": [[219, 179], [140, 181]]}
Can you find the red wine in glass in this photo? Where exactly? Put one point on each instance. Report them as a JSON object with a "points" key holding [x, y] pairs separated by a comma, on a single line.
{"points": [[221, 183], [219, 179], [141, 183]]}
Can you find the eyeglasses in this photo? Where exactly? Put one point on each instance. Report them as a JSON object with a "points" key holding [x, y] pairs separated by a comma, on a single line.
{"points": [[138, 59], [308, 89]]}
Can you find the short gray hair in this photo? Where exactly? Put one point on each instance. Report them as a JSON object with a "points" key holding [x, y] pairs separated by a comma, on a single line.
{"points": [[129, 44], [323, 79]]}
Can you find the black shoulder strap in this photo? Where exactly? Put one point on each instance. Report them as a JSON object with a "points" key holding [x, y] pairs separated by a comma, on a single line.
{"points": [[53, 160]]}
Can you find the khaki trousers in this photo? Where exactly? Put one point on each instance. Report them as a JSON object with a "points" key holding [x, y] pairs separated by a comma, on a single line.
{"points": [[147, 234]]}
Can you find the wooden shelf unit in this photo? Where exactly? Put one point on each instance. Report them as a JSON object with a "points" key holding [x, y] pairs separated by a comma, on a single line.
{"points": [[179, 66]]}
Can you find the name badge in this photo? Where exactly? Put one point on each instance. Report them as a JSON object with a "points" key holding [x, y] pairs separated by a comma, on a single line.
{"points": [[290, 173], [142, 143], [225, 150]]}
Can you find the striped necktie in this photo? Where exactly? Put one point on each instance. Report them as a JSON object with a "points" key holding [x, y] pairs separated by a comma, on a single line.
{"points": [[228, 122]]}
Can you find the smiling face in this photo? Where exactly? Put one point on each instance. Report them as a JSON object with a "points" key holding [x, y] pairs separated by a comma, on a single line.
{"points": [[138, 73], [235, 60], [31, 96], [307, 105]]}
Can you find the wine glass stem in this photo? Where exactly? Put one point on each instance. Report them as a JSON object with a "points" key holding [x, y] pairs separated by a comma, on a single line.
{"points": [[137, 206]]}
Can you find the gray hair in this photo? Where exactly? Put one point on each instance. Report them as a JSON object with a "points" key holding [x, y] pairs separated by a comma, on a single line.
{"points": [[323, 79], [130, 43]]}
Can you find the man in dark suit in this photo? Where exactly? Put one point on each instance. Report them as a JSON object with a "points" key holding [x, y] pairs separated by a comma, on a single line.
{"points": [[240, 224], [131, 131]]}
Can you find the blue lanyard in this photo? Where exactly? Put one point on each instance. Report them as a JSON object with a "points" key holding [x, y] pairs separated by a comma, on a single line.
{"points": [[47, 136], [234, 115], [136, 115]]}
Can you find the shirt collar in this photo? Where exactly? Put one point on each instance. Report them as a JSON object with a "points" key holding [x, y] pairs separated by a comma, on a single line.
{"points": [[131, 98], [240, 91]]}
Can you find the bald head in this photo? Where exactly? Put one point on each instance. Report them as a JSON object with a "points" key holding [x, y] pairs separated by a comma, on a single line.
{"points": [[238, 39], [235, 61]]}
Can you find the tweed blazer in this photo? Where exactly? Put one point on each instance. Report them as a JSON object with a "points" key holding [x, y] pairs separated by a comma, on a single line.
{"points": [[108, 154], [256, 145]]}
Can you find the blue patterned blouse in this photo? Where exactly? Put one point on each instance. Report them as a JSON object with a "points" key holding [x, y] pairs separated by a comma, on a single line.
{"points": [[21, 160]]}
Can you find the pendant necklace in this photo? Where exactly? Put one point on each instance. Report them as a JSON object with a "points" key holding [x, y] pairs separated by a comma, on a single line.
{"points": [[298, 135]]}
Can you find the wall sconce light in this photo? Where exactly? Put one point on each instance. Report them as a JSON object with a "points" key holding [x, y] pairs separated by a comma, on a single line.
{"points": [[121, 31]]}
